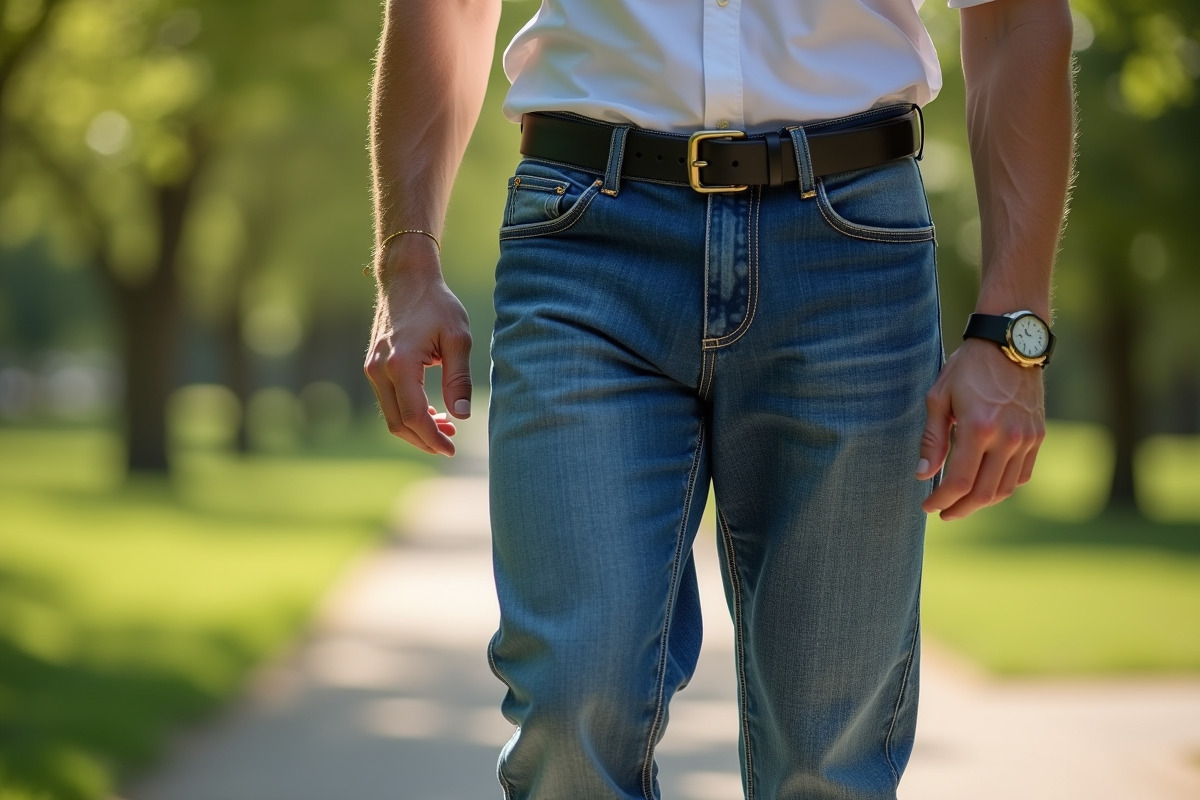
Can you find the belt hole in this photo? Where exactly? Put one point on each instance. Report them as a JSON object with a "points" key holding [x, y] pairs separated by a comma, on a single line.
{"points": [[637, 155], [735, 163], [682, 160], [659, 157]]}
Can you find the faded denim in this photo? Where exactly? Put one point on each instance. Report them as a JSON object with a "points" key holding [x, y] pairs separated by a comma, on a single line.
{"points": [[778, 343]]}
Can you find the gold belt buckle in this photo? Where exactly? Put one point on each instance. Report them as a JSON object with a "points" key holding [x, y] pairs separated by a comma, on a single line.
{"points": [[694, 163]]}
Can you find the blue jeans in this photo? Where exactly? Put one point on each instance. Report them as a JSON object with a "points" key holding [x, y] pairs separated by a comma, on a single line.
{"points": [[778, 343]]}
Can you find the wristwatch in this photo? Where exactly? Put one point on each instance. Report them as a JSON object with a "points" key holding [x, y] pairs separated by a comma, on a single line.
{"points": [[1022, 335]]}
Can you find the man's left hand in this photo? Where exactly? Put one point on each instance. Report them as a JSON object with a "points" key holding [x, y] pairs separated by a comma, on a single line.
{"points": [[996, 411]]}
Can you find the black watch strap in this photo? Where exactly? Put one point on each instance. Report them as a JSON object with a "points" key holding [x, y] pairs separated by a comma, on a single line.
{"points": [[993, 327]]}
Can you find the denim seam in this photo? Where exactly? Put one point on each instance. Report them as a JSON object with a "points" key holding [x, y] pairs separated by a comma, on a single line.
{"points": [[616, 161], [708, 365], [536, 183], [532, 184], [491, 657], [505, 786], [661, 678], [707, 261], [867, 232], [751, 277], [568, 220], [912, 649], [735, 584]]}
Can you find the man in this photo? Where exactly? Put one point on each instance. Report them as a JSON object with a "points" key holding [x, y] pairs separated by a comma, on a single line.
{"points": [[755, 305]]}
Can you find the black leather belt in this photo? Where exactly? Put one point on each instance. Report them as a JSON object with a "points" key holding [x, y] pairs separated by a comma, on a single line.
{"points": [[721, 160]]}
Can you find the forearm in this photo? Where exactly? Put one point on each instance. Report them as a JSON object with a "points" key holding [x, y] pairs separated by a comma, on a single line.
{"points": [[431, 74], [1020, 120]]}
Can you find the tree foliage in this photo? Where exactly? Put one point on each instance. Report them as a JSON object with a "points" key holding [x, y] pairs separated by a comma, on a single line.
{"points": [[182, 151], [1126, 263]]}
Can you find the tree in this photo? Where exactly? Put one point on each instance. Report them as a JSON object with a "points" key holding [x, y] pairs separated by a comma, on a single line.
{"points": [[1133, 216], [121, 122]]}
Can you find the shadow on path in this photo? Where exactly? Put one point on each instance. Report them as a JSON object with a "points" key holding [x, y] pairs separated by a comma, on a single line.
{"points": [[390, 698]]}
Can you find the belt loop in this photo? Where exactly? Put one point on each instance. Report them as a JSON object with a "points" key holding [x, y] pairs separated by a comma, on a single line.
{"points": [[616, 158], [804, 168], [774, 141], [921, 122]]}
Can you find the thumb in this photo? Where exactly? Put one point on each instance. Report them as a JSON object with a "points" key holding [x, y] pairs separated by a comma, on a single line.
{"points": [[935, 440], [456, 376]]}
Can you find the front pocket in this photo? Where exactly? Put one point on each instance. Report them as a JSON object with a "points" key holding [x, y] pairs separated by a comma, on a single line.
{"points": [[880, 204], [545, 198], [532, 199]]}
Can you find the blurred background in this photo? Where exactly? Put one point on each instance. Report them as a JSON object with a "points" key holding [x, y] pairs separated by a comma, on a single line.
{"points": [[189, 453]]}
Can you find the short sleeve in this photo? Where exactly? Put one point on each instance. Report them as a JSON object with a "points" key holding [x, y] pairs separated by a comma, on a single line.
{"points": [[966, 3]]}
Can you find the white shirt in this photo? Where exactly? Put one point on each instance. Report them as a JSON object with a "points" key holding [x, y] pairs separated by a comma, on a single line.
{"points": [[754, 65]]}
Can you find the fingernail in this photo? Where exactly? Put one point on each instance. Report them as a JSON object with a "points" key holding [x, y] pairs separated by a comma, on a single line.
{"points": [[922, 466], [462, 407]]}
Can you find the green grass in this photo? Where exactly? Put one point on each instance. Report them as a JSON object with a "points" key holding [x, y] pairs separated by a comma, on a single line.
{"points": [[1043, 584], [128, 609]]}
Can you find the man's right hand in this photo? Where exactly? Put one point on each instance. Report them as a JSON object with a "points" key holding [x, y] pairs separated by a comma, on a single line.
{"points": [[419, 323]]}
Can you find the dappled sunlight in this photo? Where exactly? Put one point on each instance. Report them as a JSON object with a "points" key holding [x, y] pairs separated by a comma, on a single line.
{"points": [[704, 785], [405, 718], [1071, 479], [421, 718], [358, 664], [1171, 488]]}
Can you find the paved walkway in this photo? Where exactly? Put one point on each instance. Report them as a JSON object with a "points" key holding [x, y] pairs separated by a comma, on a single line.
{"points": [[390, 698]]}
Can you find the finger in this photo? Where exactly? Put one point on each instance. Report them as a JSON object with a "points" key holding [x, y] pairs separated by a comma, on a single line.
{"points": [[391, 414], [456, 373], [414, 410], [442, 420], [935, 439], [958, 480], [1012, 474], [984, 492], [444, 424]]}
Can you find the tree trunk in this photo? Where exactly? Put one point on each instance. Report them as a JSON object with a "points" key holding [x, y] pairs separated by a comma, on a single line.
{"points": [[151, 324], [150, 344], [237, 375], [1117, 340], [261, 221]]}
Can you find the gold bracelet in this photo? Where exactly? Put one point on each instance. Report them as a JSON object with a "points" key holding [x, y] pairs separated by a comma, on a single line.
{"points": [[389, 237]]}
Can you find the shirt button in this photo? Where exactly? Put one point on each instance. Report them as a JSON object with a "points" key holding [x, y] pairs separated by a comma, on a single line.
{"points": [[722, 124]]}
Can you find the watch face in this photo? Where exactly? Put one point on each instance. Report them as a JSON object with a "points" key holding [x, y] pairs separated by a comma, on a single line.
{"points": [[1030, 336]]}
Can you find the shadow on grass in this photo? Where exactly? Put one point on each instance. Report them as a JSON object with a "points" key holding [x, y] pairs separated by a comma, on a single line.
{"points": [[1010, 528], [67, 724], [128, 608], [289, 495], [1024, 595], [81, 704]]}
